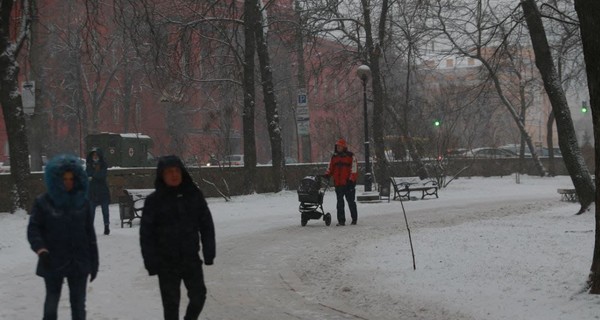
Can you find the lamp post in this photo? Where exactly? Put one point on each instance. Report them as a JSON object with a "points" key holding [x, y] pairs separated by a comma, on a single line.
{"points": [[364, 72]]}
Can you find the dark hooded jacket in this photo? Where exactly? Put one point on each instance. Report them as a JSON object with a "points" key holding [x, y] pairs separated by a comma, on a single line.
{"points": [[97, 171], [62, 222], [174, 221]]}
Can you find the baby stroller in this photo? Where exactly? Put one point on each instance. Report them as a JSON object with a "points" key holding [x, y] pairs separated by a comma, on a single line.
{"points": [[310, 194]]}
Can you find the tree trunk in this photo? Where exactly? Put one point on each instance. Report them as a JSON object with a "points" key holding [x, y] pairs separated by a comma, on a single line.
{"points": [[374, 53], [588, 12], [266, 75], [12, 107], [567, 138], [550, 143], [249, 97]]}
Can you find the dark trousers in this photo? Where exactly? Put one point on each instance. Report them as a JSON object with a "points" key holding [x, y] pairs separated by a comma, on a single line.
{"points": [[169, 280], [104, 207], [349, 192], [77, 287]]}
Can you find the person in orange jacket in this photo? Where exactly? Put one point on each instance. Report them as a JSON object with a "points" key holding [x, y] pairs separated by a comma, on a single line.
{"points": [[343, 169]]}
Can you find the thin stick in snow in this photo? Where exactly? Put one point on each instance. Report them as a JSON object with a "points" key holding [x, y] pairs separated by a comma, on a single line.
{"points": [[409, 237]]}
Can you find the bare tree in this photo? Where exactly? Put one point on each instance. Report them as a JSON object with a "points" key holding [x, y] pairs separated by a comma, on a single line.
{"points": [[102, 58], [567, 139], [588, 12], [215, 29], [565, 43], [374, 46], [407, 34], [266, 74], [192, 59], [250, 16], [477, 30], [15, 24]]}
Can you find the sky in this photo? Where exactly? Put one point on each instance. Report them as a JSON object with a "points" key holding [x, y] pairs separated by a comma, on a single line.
{"points": [[488, 248]]}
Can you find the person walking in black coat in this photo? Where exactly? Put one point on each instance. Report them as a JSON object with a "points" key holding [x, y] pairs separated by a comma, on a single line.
{"points": [[61, 232], [175, 219], [99, 194]]}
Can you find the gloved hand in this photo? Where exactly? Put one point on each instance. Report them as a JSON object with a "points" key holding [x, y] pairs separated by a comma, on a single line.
{"points": [[208, 262], [93, 276], [351, 184], [44, 257]]}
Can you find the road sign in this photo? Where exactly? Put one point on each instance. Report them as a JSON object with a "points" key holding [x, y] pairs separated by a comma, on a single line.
{"points": [[303, 127], [302, 113], [302, 98]]}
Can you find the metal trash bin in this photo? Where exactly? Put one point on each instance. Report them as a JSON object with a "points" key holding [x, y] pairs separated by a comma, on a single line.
{"points": [[384, 192], [126, 210]]}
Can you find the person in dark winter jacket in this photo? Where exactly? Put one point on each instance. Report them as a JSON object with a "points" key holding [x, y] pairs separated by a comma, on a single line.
{"points": [[175, 219], [99, 194], [61, 232], [343, 169]]}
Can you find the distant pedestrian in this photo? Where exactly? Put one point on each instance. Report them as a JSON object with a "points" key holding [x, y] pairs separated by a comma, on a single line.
{"points": [[61, 232], [343, 169], [175, 219], [99, 194]]}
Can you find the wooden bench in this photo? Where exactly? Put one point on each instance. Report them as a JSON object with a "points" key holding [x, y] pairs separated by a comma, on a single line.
{"points": [[403, 186], [131, 204], [567, 195]]}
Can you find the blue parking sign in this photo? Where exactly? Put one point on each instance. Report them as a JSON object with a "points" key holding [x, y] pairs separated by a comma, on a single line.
{"points": [[301, 99]]}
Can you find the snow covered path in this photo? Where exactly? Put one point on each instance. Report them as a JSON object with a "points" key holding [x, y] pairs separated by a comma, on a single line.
{"points": [[487, 249]]}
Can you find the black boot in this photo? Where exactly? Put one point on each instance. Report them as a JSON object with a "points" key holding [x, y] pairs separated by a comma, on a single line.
{"points": [[106, 230]]}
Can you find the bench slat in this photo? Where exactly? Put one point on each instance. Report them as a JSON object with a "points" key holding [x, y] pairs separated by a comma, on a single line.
{"points": [[404, 185], [567, 195]]}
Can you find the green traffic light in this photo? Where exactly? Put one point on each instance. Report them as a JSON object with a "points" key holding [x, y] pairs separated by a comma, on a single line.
{"points": [[584, 109], [437, 123]]}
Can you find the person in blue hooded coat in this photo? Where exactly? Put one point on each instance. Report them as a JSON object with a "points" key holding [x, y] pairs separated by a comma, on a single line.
{"points": [[175, 219], [99, 194], [61, 232]]}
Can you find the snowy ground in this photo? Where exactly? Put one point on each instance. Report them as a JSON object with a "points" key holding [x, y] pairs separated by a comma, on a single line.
{"points": [[488, 248]]}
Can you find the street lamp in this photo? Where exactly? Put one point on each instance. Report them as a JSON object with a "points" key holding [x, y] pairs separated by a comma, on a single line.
{"points": [[364, 73]]}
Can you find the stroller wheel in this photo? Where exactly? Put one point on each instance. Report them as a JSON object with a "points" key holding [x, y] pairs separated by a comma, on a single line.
{"points": [[303, 220], [327, 219]]}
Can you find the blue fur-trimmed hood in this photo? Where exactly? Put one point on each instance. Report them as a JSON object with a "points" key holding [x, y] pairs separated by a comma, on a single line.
{"points": [[53, 177]]}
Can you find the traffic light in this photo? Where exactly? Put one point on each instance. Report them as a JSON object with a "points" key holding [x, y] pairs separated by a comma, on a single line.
{"points": [[437, 123], [584, 107]]}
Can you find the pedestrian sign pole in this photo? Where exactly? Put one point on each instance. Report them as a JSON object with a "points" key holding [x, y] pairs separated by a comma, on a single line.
{"points": [[303, 124]]}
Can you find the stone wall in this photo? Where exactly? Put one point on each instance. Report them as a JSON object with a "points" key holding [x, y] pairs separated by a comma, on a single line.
{"points": [[143, 178]]}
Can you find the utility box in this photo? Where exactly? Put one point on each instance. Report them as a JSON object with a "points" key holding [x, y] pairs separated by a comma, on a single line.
{"points": [[123, 149]]}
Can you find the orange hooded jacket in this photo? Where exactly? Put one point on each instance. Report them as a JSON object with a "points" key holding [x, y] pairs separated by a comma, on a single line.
{"points": [[343, 166]]}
